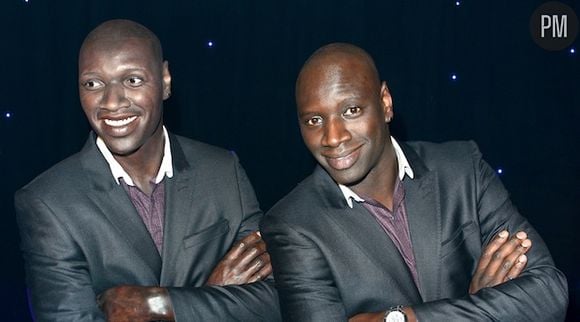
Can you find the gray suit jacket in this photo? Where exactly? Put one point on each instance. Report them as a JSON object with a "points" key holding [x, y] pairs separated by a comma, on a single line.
{"points": [[332, 262], [81, 235]]}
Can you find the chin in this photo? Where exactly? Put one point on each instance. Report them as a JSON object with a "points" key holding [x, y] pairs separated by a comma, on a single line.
{"points": [[118, 147], [346, 177]]}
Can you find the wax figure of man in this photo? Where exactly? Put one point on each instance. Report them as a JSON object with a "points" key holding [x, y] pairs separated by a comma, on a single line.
{"points": [[157, 226], [398, 231]]}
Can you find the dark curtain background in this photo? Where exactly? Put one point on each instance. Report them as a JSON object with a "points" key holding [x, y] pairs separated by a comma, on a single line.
{"points": [[518, 101]]}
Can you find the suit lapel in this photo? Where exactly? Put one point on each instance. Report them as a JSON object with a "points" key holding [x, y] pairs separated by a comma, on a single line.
{"points": [[116, 206], [424, 215], [362, 229], [178, 200]]}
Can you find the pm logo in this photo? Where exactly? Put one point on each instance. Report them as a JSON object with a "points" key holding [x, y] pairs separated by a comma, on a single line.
{"points": [[554, 26]]}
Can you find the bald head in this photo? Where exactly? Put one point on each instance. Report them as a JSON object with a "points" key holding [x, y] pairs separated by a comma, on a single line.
{"points": [[343, 113], [333, 60], [114, 32]]}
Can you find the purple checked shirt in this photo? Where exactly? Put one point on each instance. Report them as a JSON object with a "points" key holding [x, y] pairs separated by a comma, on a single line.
{"points": [[151, 209], [394, 222], [396, 225]]}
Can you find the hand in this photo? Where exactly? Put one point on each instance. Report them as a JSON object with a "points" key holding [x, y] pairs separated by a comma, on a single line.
{"points": [[129, 303], [502, 260], [246, 262]]}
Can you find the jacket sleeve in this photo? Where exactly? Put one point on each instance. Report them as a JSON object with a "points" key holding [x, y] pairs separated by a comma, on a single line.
{"points": [[251, 302], [303, 277], [538, 294], [56, 269]]}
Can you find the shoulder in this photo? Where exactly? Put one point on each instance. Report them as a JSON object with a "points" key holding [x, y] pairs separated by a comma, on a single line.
{"points": [[299, 204], [210, 164], [446, 151], [62, 176], [451, 155], [198, 151]]}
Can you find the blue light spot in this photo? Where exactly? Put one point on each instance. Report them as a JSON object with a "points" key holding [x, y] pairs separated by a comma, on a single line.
{"points": [[572, 51], [500, 171], [457, 3], [8, 115], [454, 77], [210, 43]]}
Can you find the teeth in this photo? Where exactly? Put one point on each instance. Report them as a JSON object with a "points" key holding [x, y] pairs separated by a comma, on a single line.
{"points": [[122, 122]]}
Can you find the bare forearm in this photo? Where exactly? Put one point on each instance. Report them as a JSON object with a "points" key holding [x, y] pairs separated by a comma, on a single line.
{"points": [[136, 303]]}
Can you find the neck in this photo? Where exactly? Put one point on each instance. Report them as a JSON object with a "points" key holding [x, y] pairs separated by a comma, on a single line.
{"points": [[143, 164], [379, 184]]}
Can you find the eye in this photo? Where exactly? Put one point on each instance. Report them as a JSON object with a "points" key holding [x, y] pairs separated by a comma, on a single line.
{"points": [[313, 121], [92, 84], [134, 81], [352, 111]]}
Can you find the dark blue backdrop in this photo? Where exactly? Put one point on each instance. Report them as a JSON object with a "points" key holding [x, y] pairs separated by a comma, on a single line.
{"points": [[518, 101]]}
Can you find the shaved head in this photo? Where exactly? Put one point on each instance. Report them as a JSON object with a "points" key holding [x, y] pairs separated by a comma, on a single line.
{"points": [[343, 112], [336, 58], [123, 82], [113, 32]]}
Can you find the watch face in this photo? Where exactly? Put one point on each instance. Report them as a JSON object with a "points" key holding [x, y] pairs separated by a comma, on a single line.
{"points": [[395, 316]]}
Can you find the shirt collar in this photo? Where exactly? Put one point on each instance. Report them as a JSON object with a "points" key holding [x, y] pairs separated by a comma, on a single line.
{"points": [[404, 169], [166, 168]]}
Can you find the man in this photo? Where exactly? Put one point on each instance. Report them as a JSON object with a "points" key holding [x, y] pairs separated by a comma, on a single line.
{"points": [[140, 218], [397, 231]]}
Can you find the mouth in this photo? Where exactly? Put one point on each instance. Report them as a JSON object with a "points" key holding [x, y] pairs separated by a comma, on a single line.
{"points": [[343, 161], [121, 122], [118, 125]]}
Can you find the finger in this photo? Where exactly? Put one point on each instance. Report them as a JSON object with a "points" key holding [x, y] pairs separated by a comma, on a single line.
{"points": [[260, 245], [258, 263], [242, 246], [518, 259], [526, 245], [504, 258], [241, 268], [245, 274], [251, 240], [251, 254], [264, 271], [490, 249], [517, 268]]}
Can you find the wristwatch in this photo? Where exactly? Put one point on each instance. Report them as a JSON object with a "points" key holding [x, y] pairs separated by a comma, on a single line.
{"points": [[395, 314]]}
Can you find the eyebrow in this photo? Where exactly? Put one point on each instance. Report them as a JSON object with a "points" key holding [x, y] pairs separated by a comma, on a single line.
{"points": [[130, 70]]}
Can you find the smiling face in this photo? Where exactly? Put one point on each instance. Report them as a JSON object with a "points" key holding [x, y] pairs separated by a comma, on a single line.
{"points": [[122, 84], [343, 110]]}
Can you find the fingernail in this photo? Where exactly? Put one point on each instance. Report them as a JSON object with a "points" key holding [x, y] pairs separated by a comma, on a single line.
{"points": [[521, 235], [503, 234], [259, 234], [242, 245], [522, 259], [527, 243]]}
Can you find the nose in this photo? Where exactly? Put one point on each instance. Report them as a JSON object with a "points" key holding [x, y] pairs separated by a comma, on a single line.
{"points": [[335, 133], [114, 97]]}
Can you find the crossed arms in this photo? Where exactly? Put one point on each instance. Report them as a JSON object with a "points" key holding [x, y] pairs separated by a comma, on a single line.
{"points": [[314, 271]]}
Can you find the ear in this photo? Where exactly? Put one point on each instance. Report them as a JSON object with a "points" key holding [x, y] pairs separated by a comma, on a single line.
{"points": [[387, 102], [166, 81]]}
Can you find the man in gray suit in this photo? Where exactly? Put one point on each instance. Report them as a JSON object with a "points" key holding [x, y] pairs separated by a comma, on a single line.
{"points": [[141, 223], [392, 231]]}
